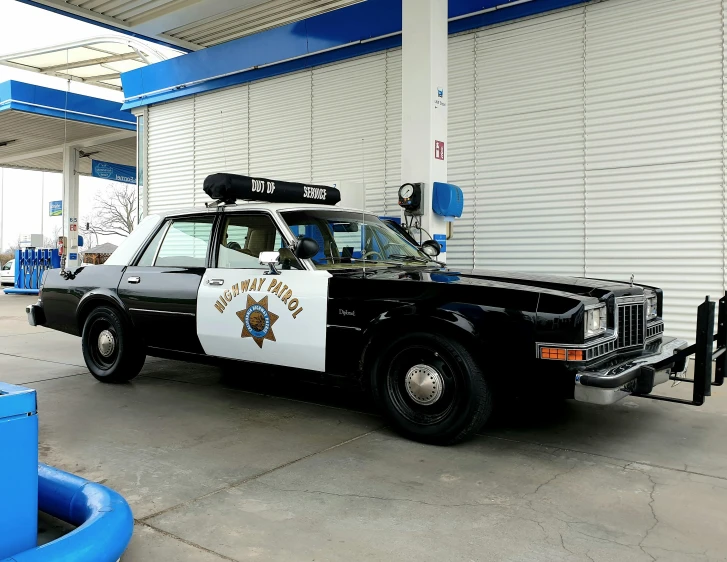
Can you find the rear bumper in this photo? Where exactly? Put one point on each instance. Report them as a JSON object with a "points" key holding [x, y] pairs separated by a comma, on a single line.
{"points": [[617, 380], [36, 315]]}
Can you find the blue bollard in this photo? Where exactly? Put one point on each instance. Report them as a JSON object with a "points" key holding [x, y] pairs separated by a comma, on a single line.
{"points": [[18, 469]]}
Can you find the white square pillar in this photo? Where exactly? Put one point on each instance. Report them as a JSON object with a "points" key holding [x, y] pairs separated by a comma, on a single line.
{"points": [[424, 102], [70, 208]]}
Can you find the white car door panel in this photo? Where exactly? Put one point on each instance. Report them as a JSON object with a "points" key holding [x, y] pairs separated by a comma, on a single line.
{"points": [[274, 319]]}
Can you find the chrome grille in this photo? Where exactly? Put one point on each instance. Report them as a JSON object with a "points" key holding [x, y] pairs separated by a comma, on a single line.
{"points": [[653, 331], [630, 325]]}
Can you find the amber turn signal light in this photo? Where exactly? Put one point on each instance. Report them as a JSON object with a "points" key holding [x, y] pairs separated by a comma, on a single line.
{"points": [[560, 354], [552, 353]]}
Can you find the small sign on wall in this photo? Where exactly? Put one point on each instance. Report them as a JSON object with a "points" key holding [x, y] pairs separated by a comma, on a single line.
{"points": [[439, 150], [56, 208]]}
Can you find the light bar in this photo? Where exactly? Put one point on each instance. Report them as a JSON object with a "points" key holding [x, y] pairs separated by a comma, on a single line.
{"points": [[228, 188]]}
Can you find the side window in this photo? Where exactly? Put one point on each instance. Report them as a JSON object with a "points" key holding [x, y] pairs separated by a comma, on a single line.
{"points": [[244, 237], [147, 258], [185, 243]]}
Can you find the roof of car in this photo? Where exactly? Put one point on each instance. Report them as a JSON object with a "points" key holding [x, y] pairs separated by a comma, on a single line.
{"points": [[260, 206]]}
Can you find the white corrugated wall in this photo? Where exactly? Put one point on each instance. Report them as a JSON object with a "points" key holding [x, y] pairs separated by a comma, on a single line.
{"points": [[598, 147], [588, 141], [349, 125], [654, 149]]}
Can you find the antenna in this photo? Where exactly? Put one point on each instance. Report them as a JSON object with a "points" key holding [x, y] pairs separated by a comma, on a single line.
{"points": [[364, 234]]}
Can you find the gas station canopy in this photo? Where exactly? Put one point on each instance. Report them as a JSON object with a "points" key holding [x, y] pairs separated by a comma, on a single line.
{"points": [[97, 61], [191, 24], [36, 122]]}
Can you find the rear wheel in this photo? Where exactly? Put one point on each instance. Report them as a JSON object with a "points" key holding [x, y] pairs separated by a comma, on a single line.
{"points": [[431, 388], [110, 350]]}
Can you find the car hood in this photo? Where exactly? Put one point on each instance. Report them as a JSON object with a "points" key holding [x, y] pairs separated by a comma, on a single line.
{"points": [[579, 287]]}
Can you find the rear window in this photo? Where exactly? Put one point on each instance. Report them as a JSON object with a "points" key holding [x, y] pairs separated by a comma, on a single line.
{"points": [[185, 243], [128, 248]]}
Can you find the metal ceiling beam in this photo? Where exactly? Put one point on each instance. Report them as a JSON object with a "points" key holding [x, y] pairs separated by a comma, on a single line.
{"points": [[58, 149], [89, 62]]}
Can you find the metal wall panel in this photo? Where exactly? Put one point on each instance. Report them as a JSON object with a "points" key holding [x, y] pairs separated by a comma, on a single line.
{"points": [[655, 149], [392, 181], [220, 136], [170, 175], [462, 122], [349, 125], [280, 127], [529, 145]]}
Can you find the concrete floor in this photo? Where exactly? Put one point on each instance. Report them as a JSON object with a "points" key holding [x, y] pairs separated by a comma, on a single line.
{"points": [[216, 469]]}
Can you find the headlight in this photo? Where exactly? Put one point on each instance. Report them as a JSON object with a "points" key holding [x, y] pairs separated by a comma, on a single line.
{"points": [[595, 321], [651, 308]]}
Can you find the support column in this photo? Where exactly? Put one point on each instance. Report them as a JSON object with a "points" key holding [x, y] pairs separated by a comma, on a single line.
{"points": [[424, 102], [70, 207]]}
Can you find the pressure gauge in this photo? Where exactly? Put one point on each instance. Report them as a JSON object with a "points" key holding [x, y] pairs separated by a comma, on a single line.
{"points": [[410, 197], [406, 191]]}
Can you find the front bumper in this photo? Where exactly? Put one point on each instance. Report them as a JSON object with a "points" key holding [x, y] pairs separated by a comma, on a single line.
{"points": [[36, 314], [617, 380]]}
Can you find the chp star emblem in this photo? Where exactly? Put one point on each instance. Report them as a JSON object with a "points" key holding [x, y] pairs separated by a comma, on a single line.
{"points": [[257, 321]]}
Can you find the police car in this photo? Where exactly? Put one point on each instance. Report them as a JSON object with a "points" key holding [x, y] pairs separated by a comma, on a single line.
{"points": [[264, 276]]}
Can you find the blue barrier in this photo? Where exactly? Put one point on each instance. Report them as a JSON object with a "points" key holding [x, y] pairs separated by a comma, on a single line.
{"points": [[104, 518], [18, 473], [31, 263]]}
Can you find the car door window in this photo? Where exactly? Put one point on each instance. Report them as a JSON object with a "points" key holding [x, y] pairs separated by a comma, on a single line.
{"points": [[244, 237], [147, 258], [184, 243]]}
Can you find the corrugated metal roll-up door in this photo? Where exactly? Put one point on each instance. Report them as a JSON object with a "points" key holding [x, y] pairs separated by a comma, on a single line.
{"points": [[392, 182], [462, 120], [349, 125], [220, 136], [280, 127], [170, 176], [655, 149], [529, 145]]}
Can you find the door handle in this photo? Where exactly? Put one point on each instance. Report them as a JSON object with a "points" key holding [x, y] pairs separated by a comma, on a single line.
{"points": [[215, 281], [133, 279]]}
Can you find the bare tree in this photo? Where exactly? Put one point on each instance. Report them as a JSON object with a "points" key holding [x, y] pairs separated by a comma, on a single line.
{"points": [[114, 212], [52, 241]]}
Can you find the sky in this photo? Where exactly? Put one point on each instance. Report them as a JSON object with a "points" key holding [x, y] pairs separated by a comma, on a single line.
{"points": [[24, 205]]}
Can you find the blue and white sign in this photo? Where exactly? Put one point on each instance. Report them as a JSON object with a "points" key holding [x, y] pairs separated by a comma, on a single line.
{"points": [[56, 208], [113, 172], [441, 239]]}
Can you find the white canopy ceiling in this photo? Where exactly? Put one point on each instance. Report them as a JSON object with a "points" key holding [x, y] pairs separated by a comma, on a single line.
{"points": [[97, 61]]}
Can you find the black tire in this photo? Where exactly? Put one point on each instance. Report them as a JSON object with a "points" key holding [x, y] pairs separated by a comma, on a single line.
{"points": [[465, 400], [127, 356]]}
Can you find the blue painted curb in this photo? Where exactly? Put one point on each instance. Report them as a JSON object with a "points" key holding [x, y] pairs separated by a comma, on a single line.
{"points": [[21, 291], [104, 519]]}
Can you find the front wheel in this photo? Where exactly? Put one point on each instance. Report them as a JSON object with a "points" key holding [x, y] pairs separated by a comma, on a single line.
{"points": [[110, 350], [431, 388]]}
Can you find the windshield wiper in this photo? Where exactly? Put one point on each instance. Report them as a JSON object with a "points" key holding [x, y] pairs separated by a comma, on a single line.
{"points": [[405, 257]]}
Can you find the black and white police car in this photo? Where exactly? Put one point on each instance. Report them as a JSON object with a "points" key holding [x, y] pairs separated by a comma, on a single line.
{"points": [[280, 281]]}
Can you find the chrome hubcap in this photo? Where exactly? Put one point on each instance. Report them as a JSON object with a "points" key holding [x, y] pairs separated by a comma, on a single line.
{"points": [[106, 343], [424, 384]]}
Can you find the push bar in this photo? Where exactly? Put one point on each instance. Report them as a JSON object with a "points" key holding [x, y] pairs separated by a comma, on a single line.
{"points": [[704, 353]]}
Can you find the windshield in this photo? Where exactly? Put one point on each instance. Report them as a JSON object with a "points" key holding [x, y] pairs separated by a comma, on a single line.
{"points": [[347, 239], [8, 265]]}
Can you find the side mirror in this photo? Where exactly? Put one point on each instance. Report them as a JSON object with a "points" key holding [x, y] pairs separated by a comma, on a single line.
{"points": [[269, 258], [431, 248], [306, 248]]}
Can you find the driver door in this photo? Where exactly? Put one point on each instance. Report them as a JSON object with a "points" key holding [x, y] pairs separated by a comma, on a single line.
{"points": [[247, 314]]}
